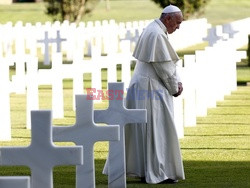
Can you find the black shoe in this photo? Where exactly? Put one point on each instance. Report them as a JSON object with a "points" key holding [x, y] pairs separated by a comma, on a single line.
{"points": [[169, 181], [143, 180]]}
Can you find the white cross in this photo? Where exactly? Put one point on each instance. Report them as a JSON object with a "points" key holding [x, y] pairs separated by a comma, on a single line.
{"points": [[15, 181], [54, 77], [189, 107], [85, 132], [213, 36], [41, 155], [5, 127], [58, 40], [47, 41], [19, 78], [118, 114], [32, 97]]}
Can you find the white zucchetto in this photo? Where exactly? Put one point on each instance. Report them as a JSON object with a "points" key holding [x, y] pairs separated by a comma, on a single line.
{"points": [[171, 9]]}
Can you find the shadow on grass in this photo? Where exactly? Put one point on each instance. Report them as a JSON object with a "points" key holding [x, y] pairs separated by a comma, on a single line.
{"points": [[203, 174], [198, 174]]}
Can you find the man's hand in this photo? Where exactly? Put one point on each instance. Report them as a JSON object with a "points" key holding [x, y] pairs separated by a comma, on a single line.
{"points": [[180, 89]]}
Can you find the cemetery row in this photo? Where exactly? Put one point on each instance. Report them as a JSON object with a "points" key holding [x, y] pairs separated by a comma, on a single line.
{"points": [[206, 80], [105, 36], [236, 30], [207, 76], [214, 59], [28, 77], [102, 37]]}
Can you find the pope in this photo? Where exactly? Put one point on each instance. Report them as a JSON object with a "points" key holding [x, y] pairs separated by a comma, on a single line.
{"points": [[152, 150]]}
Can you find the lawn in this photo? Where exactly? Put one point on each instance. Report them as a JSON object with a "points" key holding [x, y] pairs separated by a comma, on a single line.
{"points": [[216, 153], [217, 12]]}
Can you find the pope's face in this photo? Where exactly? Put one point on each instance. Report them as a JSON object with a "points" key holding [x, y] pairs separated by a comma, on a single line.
{"points": [[173, 22]]}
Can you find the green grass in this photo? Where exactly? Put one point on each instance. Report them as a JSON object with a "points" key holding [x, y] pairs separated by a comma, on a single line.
{"points": [[217, 11], [26, 12], [243, 72], [216, 153], [121, 11], [225, 11]]}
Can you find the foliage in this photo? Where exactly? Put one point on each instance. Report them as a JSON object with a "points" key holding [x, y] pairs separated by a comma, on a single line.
{"points": [[188, 7], [71, 10]]}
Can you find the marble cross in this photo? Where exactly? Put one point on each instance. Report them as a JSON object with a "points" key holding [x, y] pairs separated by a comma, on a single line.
{"points": [[229, 29], [54, 77], [58, 40], [32, 96], [189, 82], [5, 126], [118, 114], [57, 85], [15, 181], [19, 78], [178, 106], [19, 38], [41, 155], [212, 36], [47, 41], [85, 132], [202, 93]]}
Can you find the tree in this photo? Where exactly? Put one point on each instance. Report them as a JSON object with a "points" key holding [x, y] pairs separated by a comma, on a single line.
{"points": [[72, 10], [188, 7]]}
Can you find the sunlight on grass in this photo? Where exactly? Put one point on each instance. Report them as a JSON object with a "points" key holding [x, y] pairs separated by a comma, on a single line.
{"points": [[218, 144], [217, 12], [216, 152]]}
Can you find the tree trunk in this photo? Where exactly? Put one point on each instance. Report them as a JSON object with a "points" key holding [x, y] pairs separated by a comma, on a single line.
{"points": [[81, 12]]}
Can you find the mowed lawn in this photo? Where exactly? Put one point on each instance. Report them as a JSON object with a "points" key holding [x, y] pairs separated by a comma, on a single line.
{"points": [[216, 152], [217, 11]]}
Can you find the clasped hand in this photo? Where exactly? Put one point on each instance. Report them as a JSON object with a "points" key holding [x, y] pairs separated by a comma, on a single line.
{"points": [[180, 89]]}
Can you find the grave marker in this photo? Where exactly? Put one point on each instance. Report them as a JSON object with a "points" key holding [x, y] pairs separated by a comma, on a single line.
{"points": [[19, 38], [58, 40], [46, 42], [8, 38], [41, 155], [189, 108], [228, 28], [32, 96], [85, 133], [57, 86], [201, 90], [31, 34], [178, 107], [54, 77], [117, 113], [214, 35], [19, 78], [5, 125], [14, 181]]}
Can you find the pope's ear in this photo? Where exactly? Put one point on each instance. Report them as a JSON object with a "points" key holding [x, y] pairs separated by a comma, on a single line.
{"points": [[168, 17]]}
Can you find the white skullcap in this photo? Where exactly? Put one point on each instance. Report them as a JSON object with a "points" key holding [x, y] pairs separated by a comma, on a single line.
{"points": [[171, 9]]}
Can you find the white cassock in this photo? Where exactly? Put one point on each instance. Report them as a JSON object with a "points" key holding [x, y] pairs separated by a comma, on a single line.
{"points": [[152, 149]]}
